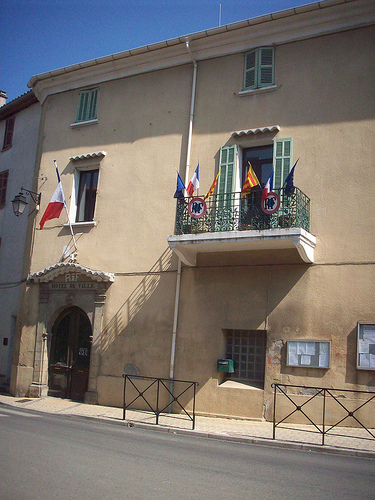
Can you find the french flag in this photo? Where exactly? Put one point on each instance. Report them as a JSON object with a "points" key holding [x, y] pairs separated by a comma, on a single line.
{"points": [[56, 204], [268, 187], [194, 183]]}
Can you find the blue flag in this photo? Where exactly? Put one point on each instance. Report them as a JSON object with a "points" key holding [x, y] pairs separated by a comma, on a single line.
{"points": [[289, 181], [180, 187]]}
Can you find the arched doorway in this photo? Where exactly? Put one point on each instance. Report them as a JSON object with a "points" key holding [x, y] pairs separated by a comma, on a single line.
{"points": [[69, 359]]}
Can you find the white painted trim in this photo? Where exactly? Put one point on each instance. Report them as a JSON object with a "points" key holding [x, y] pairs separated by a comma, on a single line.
{"points": [[89, 223], [84, 124], [187, 246], [259, 90]]}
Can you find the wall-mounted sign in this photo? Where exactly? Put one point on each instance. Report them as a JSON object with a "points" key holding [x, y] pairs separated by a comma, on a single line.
{"points": [[308, 353], [271, 203], [366, 346], [61, 287], [197, 208]]}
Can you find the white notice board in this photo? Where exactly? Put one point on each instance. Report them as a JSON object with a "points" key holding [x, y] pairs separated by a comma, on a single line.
{"points": [[366, 346], [308, 353]]}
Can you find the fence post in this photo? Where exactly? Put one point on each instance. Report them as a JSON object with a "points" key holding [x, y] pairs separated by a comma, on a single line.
{"points": [[157, 402], [123, 406], [274, 412], [194, 405], [324, 415]]}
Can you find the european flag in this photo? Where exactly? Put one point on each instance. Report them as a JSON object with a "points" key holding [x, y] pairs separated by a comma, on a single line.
{"points": [[180, 187], [289, 181]]}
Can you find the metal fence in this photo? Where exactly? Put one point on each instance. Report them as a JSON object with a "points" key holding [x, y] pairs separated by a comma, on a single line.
{"points": [[230, 212], [334, 397], [159, 396]]}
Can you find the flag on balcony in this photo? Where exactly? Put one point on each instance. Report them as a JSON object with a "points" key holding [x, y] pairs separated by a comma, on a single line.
{"points": [[180, 187], [250, 181], [56, 204], [194, 183], [212, 188], [268, 187], [289, 181]]}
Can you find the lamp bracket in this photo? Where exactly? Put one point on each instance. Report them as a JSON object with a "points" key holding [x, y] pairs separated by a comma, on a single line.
{"points": [[34, 196]]}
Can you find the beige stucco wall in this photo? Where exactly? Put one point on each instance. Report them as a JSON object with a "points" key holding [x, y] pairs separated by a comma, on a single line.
{"points": [[327, 107], [19, 161]]}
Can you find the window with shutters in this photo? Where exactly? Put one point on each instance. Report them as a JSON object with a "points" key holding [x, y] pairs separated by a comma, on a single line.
{"points": [[3, 187], [87, 107], [8, 136], [259, 68], [276, 156], [86, 197]]}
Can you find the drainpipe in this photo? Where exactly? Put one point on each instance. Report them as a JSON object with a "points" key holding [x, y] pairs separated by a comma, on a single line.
{"points": [[191, 113], [175, 318], [178, 279], [174, 334]]}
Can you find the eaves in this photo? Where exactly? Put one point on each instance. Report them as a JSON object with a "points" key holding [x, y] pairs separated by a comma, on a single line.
{"points": [[306, 21]]}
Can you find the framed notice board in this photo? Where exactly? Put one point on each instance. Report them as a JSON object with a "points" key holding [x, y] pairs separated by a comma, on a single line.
{"points": [[366, 346], [308, 353]]}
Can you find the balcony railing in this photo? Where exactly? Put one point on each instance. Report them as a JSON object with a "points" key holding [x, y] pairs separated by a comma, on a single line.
{"points": [[230, 212]]}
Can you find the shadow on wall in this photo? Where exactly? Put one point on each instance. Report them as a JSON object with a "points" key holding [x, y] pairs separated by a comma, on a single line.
{"points": [[135, 335]]}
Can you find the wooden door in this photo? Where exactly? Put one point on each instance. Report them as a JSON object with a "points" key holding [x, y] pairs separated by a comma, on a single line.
{"points": [[70, 355]]}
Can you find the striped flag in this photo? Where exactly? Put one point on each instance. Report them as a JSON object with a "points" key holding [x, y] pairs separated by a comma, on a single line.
{"points": [[268, 187], [56, 204], [194, 183], [212, 188], [250, 181]]}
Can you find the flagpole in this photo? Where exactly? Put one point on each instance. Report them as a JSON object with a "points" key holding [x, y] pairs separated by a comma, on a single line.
{"points": [[66, 208]]}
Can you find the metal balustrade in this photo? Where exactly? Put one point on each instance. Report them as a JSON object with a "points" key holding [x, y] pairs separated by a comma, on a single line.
{"points": [[334, 396], [230, 212], [159, 395]]}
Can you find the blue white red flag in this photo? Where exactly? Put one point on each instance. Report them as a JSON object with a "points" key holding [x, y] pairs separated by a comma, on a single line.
{"points": [[56, 204], [268, 187], [194, 183]]}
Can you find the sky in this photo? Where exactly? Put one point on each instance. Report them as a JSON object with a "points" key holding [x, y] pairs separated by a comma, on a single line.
{"points": [[37, 36]]}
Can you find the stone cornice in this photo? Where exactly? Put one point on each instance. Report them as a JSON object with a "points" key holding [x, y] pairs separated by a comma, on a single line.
{"points": [[52, 272]]}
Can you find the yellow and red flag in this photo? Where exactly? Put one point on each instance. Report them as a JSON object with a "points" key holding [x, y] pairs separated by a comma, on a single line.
{"points": [[250, 181], [212, 188]]}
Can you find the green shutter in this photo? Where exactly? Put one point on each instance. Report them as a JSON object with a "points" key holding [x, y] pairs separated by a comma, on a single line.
{"points": [[266, 67], [228, 155], [250, 70], [282, 161], [88, 100], [259, 68]]}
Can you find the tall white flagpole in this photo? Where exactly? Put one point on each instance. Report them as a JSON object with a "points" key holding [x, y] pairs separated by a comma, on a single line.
{"points": [[66, 208]]}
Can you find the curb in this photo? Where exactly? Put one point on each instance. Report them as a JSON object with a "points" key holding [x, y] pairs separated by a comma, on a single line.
{"points": [[210, 435]]}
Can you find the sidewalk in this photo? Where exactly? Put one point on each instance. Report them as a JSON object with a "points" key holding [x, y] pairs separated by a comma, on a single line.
{"points": [[343, 440]]}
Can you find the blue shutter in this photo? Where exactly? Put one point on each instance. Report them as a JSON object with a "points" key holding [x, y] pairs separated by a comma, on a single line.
{"points": [[282, 160]]}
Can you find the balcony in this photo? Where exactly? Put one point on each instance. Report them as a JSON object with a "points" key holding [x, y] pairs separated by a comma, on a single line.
{"points": [[232, 224]]}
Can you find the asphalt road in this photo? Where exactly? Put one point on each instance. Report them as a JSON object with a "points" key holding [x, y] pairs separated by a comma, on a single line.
{"points": [[58, 457]]}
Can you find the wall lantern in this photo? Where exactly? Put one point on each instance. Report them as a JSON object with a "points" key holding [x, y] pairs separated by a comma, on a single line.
{"points": [[19, 202]]}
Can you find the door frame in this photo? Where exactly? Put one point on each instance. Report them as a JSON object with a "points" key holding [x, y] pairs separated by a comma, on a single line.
{"points": [[59, 286]]}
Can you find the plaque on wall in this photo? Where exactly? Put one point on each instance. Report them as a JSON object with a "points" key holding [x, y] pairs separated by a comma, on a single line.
{"points": [[366, 346], [308, 353]]}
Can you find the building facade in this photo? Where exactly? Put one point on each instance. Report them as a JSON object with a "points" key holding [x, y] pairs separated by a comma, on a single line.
{"points": [[19, 128], [235, 291]]}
